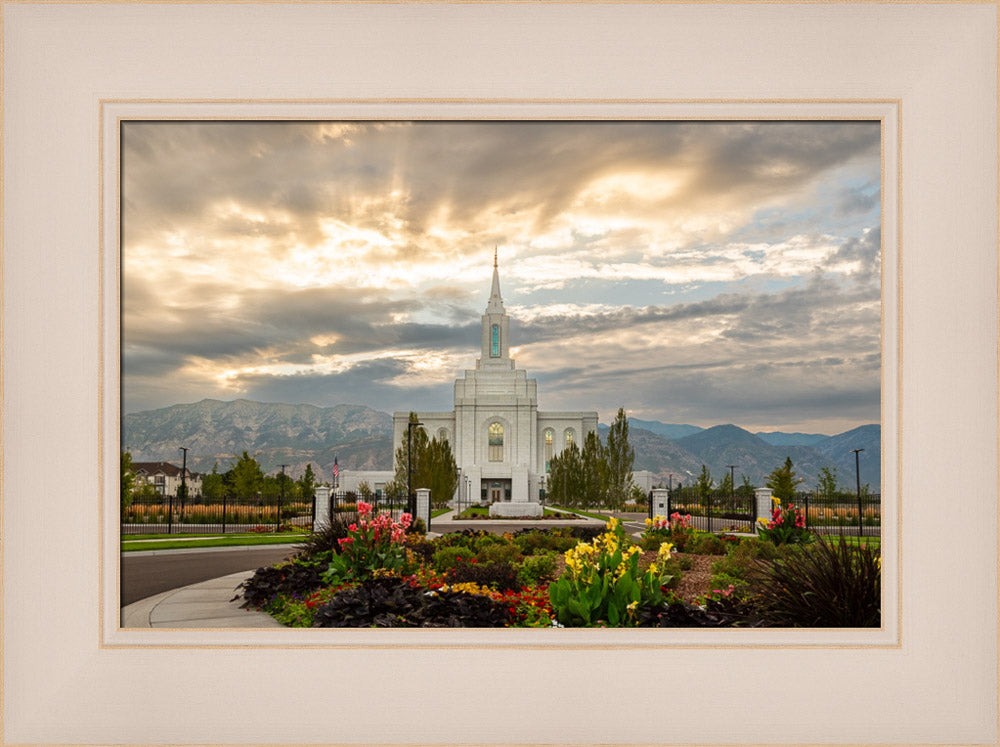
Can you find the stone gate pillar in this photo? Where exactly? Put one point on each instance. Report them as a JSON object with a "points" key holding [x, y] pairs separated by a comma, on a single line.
{"points": [[661, 502], [322, 518], [424, 506], [763, 498]]}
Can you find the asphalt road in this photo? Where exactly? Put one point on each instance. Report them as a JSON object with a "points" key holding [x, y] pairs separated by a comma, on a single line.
{"points": [[145, 575]]}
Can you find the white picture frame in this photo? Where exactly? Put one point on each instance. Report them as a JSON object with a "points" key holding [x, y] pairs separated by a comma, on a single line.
{"points": [[71, 676]]}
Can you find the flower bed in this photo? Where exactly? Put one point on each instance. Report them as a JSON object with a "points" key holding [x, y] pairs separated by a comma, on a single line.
{"points": [[374, 574]]}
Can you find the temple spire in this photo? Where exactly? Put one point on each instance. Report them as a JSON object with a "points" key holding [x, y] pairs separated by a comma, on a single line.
{"points": [[495, 304]]}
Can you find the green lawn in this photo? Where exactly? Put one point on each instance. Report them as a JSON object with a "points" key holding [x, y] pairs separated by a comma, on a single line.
{"points": [[173, 541]]}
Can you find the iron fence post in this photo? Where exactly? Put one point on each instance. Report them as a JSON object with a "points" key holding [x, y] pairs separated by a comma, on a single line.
{"points": [[170, 516]]}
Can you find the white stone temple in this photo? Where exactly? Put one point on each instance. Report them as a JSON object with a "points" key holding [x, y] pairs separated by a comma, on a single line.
{"points": [[501, 441]]}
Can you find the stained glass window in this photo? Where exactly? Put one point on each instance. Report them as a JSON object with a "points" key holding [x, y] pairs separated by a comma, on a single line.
{"points": [[549, 438], [495, 350], [496, 442]]}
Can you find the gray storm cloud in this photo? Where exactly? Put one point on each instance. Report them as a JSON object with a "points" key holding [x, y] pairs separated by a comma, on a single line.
{"points": [[348, 262]]}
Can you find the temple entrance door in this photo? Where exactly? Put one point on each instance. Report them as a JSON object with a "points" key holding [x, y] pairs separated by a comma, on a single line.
{"points": [[496, 494]]}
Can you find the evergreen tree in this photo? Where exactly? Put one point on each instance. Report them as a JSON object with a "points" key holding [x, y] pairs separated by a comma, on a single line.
{"points": [[726, 487], [246, 477], [419, 444], [212, 486], [783, 482], [439, 472], [827, 482], [127, 480], [620, 458], [307, 484], [704, 486], [432, 462], [594, 472], [565, 484]]}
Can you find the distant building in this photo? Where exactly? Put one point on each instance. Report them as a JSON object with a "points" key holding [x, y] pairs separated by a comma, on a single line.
{"points": [[165, 477]]}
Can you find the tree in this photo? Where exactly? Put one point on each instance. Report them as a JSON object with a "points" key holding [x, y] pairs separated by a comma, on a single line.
{"points": [[432, 463], [726, 487], [593, 472], [704, 485], [212, 486], [783, 482], [247, 477], [439, 472], [565, 483], [307, 483], [128, 480], [827, 483], [620, 458], [419, 443]]}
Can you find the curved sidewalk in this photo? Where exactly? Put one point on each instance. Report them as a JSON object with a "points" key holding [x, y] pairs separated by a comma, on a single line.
{"points": [[202, 605]]}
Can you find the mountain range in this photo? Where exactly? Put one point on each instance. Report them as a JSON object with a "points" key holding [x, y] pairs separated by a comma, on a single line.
{"points": [[217, 432]]}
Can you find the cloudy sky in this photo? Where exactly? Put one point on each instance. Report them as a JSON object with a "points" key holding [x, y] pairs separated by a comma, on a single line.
{"points": [[692, 272]]}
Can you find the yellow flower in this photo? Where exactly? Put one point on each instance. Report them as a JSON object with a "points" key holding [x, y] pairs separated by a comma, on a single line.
{"points": [[665, 550], [775, 500], [649, 522], [612, 524]]}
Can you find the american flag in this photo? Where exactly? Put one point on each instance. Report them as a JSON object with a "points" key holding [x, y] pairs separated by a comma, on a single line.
{"points": [[336, 470]]}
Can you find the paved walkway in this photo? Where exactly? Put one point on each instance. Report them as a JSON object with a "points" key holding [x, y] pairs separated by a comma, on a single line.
{"points": [[203, 605], [446, 522]]}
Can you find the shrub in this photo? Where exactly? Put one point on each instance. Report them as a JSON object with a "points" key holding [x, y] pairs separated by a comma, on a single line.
{"points": [[787, 526], [326, 540], [421, 547], [447, 557], [537, 569], [394, 603], [417, 527], [497, 576], [291, 579], [499, 553], [705, 543], [828, 585], [534, 541]]}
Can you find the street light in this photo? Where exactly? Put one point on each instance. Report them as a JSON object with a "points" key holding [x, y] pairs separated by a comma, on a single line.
{"points": [[281, 499], [183, 480], [857, 475], [409, 468]]}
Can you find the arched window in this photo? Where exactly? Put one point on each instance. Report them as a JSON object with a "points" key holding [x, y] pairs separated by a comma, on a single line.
{"points": [[549, 440], [496, 442], [495, 341], [570, 437], [442, 435]]}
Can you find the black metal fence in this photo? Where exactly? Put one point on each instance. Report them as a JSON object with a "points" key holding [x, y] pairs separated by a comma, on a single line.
{"points": [[169, 515], [843, 513], [344, 504], [836, 515], [716, 513]]}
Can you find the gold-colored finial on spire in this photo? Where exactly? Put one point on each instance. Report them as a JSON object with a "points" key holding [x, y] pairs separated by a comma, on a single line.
{"points": [[494, 255]]}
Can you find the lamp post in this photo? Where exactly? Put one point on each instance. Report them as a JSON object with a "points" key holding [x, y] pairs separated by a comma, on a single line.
{"points": [[732, 485], [857, 476], [409, 468], [183, 480], [281, 497]]}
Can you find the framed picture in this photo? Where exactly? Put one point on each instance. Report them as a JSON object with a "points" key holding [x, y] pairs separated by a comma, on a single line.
{"points": [[76, 82]]}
